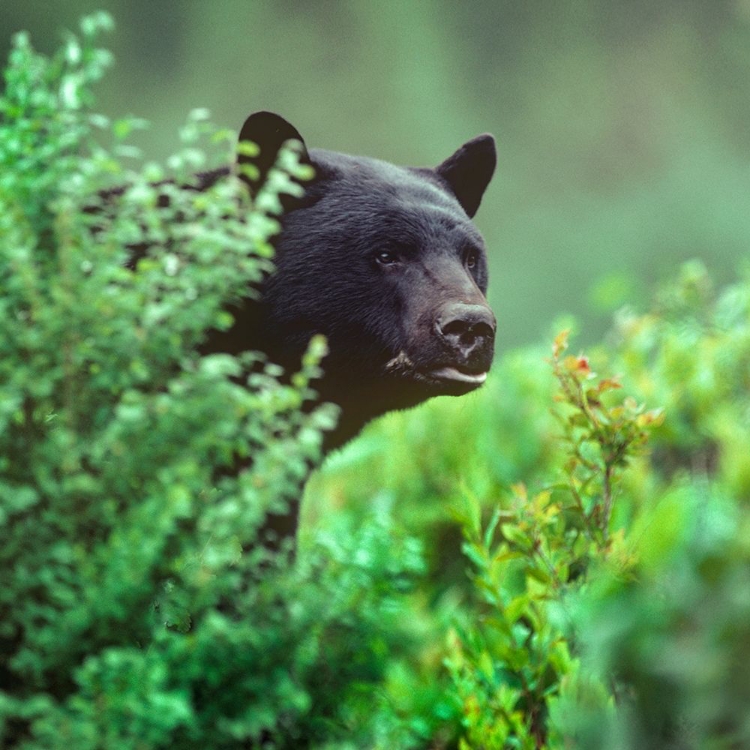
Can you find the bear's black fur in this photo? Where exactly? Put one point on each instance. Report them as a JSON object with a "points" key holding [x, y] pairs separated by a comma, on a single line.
{"points": [[387, 264]]}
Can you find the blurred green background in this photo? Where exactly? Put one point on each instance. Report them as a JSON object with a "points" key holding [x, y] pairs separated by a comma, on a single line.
{"points": [[622, 126]]}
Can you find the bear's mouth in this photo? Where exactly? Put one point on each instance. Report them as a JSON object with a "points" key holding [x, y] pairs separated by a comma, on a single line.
{"points": [[453, 378], [453, 374]]}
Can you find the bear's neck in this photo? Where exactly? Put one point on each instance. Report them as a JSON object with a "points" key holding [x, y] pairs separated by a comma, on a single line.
{"points": [[359, 405]]}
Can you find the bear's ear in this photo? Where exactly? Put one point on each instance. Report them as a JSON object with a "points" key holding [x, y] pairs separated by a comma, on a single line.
{"points": [[469, 171], [269, 132]]}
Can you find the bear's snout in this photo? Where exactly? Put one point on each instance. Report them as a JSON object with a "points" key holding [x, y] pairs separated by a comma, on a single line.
{"points": [[468, 332]]}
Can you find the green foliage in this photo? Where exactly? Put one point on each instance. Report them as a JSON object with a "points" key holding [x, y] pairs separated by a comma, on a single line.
{"points": [[606, 603], [508, 666], [136, 608], [690, 354], [598, 437], [669, 639]]}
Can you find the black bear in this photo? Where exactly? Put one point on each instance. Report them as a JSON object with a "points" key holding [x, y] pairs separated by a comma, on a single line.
{"points": [[387, 264]]}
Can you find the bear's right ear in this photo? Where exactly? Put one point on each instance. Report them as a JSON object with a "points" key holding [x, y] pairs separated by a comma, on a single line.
{"points": [[269, 132]]}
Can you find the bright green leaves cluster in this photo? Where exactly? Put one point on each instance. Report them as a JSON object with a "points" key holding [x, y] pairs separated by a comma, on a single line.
{"points": [[137, 609], [598, 436], [690, 354], [610, 604], [670, 638], [507, 658], [535, 551]]}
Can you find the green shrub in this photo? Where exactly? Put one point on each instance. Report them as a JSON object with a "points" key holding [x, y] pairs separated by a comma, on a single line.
{"points": [[606, 600], [136, 609], [611, 607], [671, 638], [534, 554]]}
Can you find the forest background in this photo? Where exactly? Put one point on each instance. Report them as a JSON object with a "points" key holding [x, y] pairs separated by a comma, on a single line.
{"points": [[621, 126]]}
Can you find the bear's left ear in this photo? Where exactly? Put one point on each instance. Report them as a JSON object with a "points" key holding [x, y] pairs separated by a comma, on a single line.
{"points": [[469, 171], [269, 132]]}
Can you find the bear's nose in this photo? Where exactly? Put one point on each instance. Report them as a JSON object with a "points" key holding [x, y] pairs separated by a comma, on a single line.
{"points": [[467, 329]]}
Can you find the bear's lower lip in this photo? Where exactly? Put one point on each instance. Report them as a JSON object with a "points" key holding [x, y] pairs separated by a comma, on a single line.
{"points": [[456, 375], [456, 380]]}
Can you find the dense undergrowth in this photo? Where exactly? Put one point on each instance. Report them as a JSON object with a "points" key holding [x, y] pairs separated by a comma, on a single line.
{"points": [[602, 519]]}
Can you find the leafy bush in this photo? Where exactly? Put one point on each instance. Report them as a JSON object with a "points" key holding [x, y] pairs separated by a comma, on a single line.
{"points": [[136, 609], [508, 666], [670, 638], [607, 605]]}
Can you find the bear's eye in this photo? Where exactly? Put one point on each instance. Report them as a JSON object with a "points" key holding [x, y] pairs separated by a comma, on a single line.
{"points": [[386, 258], [472, 259]]}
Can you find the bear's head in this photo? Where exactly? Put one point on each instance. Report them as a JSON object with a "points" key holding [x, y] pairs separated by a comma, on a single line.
{"points": [[387, 264]]}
